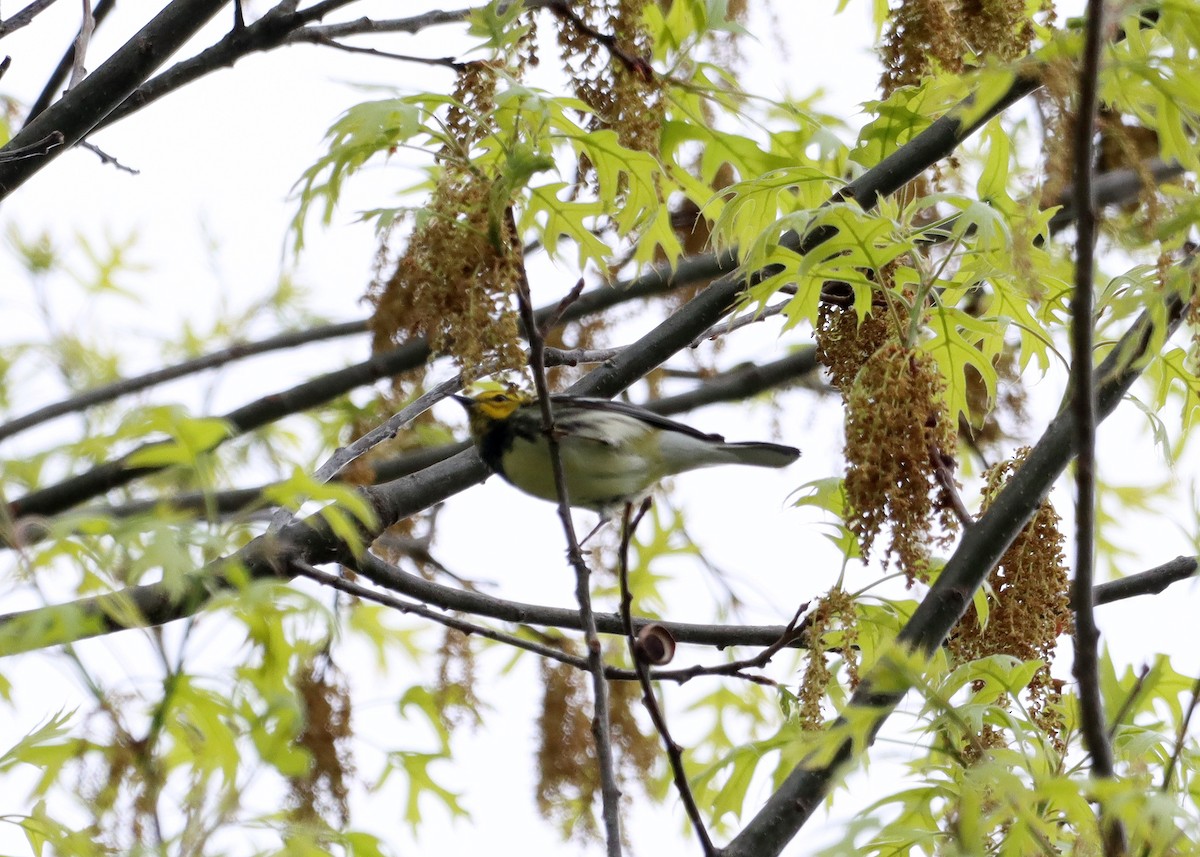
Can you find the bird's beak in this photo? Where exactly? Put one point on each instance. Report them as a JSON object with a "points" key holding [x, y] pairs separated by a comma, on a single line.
{"points": [[465, 401]]}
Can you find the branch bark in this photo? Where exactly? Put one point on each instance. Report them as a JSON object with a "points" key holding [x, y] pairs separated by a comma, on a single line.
{"points": [[1086, 663], [82, 109]]}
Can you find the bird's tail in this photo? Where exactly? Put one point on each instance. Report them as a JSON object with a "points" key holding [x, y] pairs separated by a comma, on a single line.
{"points": [[761, 454]]}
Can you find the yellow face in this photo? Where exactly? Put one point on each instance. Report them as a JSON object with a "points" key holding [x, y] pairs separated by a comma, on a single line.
{"points": [[498, 404]]}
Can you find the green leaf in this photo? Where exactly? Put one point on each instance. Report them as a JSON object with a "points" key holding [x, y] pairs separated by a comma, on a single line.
{"points": [[955, 353], [557, 217], [361, 133], [300, 487], [494, 23], [191, 437], [421, 783], [32, 748]]}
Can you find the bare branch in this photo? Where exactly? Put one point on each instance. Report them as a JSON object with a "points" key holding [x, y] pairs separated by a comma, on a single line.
{"points": [[674, 751], [275, 29], [106, 158], [1149, 582], [24, 17], [75, 115], [386, 431], [447, 62], [366, 26], [82, 40], [610, 792], [358, 591], [127, 386], [54, 84], [1086, 663]]}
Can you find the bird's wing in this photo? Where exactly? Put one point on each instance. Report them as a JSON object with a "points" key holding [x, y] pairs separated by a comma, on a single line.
{"points": [[621, 416]]}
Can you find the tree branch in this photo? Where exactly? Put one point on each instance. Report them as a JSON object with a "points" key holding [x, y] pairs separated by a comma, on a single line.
{"points": [[267, 33], [24, 17], [1149, 582], [610, 792], [1086, 663], [649, 701], [127, 386], [54, 84], [82, 109]]}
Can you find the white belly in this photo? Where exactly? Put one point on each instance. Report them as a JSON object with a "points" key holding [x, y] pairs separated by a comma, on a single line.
{"points": [[611, 474]]}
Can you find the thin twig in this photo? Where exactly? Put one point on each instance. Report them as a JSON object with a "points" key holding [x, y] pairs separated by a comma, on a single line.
{"points": [[610, 792], [82, 40], [738, 322], [386, 431], [24, 17], [106, 158], [551, 321], [349, 587], [135, 384], [1130, 699], [345, 455], [629, 523], [1181, 736], [556, 653], [388, 576], [319, 39], [942, 472], [1083, 404]]}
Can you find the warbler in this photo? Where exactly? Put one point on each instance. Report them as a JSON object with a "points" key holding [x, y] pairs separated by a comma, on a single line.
{"points": [[612, 453]]}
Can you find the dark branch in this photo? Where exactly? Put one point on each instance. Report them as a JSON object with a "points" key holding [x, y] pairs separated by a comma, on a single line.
{"points": [[82, 109], [649, 700], [1149, 582], [610, 792], [24, 17], [1086, 664], [127, 386], [281, 26]]}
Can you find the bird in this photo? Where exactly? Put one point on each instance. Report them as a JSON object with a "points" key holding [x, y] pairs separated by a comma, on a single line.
{"points": [[612, 453]]}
